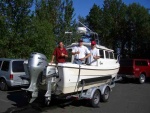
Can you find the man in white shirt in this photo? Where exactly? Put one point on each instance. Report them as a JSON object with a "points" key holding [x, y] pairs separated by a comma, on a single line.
{"points": [[80, 53], [94, 54]]}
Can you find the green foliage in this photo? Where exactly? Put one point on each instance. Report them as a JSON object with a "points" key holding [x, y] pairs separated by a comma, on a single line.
{"points": [[67, 22], [122, 27], [23, 31], [43, 38], [15, 27]]}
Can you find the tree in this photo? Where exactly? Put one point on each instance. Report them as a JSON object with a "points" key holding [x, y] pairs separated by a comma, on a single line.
{"points": [[107, 22], [67, 23], [138, 28], [45, 22], [95, 19], [114, 15], [16, 22]]}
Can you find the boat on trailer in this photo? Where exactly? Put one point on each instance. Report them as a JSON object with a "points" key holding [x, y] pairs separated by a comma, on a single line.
{"points": [[82, 81]]}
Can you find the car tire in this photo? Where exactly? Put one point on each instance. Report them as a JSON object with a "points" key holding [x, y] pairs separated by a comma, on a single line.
{"points": [[142, 78], [3, 85], [106, 94], [95, 99]]}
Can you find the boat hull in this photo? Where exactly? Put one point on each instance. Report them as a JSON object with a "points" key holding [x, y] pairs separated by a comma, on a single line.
{"points": [[71, 75]]}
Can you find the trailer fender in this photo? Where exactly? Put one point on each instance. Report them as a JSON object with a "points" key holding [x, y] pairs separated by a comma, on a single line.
{"points": [[102, 88], [90, 92]]}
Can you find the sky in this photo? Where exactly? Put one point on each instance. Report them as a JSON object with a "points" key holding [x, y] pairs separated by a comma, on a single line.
{"points": [[82, 7]]}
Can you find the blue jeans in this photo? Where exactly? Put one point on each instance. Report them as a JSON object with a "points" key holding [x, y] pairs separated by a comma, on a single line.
{"points": [[78, 61]]}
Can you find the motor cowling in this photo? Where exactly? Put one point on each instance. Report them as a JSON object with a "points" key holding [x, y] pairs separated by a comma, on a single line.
{"points": [[36, 64]]}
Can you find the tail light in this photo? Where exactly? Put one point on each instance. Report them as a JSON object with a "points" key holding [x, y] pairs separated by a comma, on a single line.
{"points": [[11, 76]]}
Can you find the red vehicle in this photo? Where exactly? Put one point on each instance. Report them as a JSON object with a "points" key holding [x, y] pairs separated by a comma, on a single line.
{"points": [[135, 68]]}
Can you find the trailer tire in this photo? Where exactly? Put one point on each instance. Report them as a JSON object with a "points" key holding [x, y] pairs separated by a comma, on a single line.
{"points": [[47, 101], [142, 78], [28, 96], [95, 99], [106, 94]]}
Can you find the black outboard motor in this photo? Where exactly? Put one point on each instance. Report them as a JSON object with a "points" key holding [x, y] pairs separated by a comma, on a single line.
{"points": [[34, 68]]}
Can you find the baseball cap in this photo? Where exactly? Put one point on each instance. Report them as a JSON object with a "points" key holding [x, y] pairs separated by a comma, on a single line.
{"points": [[80, 40], [93, 43]]}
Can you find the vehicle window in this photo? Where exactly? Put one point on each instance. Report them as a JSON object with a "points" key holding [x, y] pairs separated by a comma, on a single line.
{"points": [[5, 66], [126, 62], [144, 63], [101, 52], [0, 64], [141, 63], [17, 66], [111, 55], [69, 55], [138, 63], [107, 54]]}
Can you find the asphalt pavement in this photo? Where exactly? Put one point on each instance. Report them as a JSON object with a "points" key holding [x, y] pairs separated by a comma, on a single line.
{"points": [[126, 97]]}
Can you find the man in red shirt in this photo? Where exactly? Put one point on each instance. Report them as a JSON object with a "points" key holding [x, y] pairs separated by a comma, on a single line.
{"points": [[60, 53]]}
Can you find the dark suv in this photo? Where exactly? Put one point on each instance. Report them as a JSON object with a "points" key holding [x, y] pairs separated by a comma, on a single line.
{"points": [[12, 73], [135, 68]]}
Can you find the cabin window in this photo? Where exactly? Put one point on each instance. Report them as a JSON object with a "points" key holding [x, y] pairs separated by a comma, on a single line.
{"points": [[69, 55], [111, 55], [101, 52], [107, 54]]}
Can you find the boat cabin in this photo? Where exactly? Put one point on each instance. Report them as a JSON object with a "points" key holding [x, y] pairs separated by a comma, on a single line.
{"points": [[106, 55]]}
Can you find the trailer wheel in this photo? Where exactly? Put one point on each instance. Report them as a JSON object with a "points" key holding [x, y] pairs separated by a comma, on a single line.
{"points": [[95, 99], [142, 78], [47, 101], [106, 94], [28, 96]]}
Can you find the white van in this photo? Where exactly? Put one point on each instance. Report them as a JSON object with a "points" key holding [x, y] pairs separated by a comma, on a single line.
{"points": [[12, 73]]}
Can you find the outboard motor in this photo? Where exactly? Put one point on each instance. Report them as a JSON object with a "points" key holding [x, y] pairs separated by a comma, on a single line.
{"points": [[34, 67]]}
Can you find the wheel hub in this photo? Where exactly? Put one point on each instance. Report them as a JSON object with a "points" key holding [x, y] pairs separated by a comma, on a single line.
{"points": [[96, 98]]}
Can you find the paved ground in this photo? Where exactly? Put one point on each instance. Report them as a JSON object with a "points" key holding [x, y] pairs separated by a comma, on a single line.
{"points": [[125, 98]]}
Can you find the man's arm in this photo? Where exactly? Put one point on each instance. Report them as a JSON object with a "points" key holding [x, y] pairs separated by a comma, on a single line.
{"points": [[64, 55], [52, 58], [74, 53], [97, 55], [88, 55], [87, 52]]}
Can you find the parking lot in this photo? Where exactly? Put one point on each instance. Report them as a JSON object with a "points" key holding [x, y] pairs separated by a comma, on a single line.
{"points": [[125, 97]]}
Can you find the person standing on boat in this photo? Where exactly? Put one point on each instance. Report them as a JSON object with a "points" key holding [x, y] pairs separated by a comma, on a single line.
{"points": [[94, 54], [60, 53], [80, 53]]}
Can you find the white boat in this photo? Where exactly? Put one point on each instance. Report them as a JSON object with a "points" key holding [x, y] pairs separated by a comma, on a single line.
{"points": [[71, 74], [69, 78]]}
